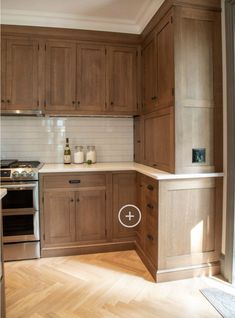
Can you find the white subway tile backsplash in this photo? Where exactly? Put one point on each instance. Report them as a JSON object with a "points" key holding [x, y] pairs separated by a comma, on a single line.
{"points": [[43, 138]]}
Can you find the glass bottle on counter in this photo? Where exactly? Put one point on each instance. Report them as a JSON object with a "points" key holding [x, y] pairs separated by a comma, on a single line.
{"points": [[67, 152], [78, 154], [91, 154]]}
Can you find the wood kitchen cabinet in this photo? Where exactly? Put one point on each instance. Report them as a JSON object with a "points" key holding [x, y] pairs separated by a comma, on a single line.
{"points": [[122, 79], [60, 76], [158, 139], [158, 67], [91, 215], [59, 217], [20, 74], [74, 211], [124, 192], [91, 74]]}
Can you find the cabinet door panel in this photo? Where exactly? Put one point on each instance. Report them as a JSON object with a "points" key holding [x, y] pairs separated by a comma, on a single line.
{"points": [[124, 192], [159, 140], [149, 78], [3, 73], [59, 217], [60, 75], [91, 77], [122, 79], [22, 74], [90, 215], [165, 63]]}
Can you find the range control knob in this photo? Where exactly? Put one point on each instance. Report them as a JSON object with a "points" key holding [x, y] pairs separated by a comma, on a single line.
{"points": [[16, 174], [31, 174], [23, 174]]}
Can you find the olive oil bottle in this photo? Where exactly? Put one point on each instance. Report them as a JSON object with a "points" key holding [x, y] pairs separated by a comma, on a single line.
{"points": [[67, 152]]}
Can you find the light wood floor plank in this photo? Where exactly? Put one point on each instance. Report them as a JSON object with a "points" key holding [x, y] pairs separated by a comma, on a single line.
{"points": [[110, 285]]}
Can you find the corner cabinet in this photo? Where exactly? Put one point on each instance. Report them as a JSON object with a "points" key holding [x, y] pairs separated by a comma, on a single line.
{"points": [[20, 74]]}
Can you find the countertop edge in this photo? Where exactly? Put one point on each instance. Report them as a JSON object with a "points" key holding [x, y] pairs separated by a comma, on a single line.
{"points": [[125, 166]]}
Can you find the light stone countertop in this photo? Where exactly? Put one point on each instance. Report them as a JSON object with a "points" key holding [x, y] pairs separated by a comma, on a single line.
{"points": [[3, 192], [123, 166]]}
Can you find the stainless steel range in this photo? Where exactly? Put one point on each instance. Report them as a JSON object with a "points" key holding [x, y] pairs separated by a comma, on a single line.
{"points": [[20, 208]]}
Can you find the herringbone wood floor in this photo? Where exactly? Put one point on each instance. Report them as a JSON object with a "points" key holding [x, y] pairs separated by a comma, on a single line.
{"points": [[107, 285]]}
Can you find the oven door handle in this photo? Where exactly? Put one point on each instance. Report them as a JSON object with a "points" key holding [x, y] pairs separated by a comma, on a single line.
{"points": [[29, 186]]}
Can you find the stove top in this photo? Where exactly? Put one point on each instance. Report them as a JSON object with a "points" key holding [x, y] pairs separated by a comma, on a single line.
{"points": [[16, 170]]}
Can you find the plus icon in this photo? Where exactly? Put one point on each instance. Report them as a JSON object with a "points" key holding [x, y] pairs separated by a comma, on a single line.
{"points": [[129, 215]]}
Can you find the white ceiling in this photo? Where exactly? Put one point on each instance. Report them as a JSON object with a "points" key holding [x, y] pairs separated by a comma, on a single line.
{"points": [[129, 16]]}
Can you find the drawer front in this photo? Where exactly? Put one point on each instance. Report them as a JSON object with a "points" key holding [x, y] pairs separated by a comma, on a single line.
{"points": [[150, 188], [74, 181], [151, 241]]}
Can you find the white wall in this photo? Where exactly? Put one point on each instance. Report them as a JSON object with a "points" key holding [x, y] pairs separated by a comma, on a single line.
{"points": [[43, 138]]}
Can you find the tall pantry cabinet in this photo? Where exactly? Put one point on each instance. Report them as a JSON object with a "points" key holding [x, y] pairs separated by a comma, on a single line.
{"points": [[181, 121]]}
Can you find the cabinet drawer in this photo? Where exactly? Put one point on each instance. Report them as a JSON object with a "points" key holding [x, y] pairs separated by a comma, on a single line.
{"points": [[151, 241], [74, 181]]}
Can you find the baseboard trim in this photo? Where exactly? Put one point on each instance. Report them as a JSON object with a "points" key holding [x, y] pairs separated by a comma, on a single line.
{"points": [[209, 269], [87, 249]]}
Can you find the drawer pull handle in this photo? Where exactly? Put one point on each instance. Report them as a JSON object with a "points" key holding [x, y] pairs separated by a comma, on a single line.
{"points": [[71, 200], [150, 237], [150, 187], [150, 206], [74, 181]]}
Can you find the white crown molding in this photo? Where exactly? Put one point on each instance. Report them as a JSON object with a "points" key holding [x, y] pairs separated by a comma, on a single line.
{"points": [[146, 13], [73, 21]]}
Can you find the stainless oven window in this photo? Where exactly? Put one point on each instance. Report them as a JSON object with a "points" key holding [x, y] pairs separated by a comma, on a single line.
{"points": [[18, 199], [18, 225]]}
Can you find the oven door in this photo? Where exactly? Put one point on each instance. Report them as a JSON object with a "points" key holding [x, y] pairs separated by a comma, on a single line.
{"points": [[20, 197], [20, 227], [20, 212]]}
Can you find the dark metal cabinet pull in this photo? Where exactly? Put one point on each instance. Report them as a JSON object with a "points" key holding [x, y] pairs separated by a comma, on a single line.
{"points": [[3, 101], [71, 200], [154, 98], [78, 200], [8, 101], [74, 181], [150, 206], [150, 237], [73, 102], [111, 103], [150, 187]]}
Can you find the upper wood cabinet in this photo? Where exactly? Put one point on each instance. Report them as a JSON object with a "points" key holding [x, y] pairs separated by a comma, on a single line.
{"points": [[149, 76], [158, 67], [20, 74], [91, 77], [158, 141], [122, 79], [60, 75]]}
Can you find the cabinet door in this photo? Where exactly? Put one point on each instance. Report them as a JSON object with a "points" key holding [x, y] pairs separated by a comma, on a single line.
{"points": [[138, 139], [124, 192], [90, 215], [22, 74], [149, 77], [165, 62], [60, 76], [159, 140], [122, 79], [91, 77], [59, 217], [3, 73]]}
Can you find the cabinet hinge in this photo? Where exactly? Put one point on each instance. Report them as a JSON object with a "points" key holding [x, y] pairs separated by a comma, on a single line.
{"points": [[173, 91], [171, 19]]}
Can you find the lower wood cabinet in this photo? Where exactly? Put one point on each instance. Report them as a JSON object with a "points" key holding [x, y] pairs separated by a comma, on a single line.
{"points": [[179, 234], [90, 215], [124, 192], [59, 217]]}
